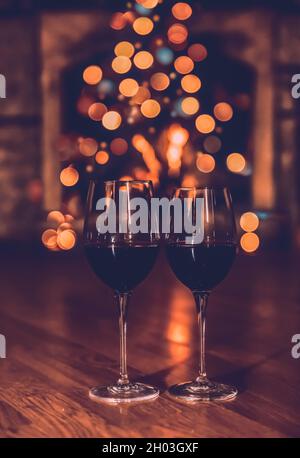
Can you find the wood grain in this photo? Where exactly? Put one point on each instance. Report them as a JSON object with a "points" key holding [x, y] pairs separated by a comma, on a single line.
{"points": [[62, 338]]}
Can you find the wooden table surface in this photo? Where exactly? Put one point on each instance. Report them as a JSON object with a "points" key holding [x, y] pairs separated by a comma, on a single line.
{"points": [[62, 338]]}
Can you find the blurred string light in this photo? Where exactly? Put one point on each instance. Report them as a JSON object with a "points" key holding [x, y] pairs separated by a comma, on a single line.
{"points": [[62, 235], [249, 222], [250, 242], [142, 76]]}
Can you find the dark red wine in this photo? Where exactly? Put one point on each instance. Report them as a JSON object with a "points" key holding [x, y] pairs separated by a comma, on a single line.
{"points": [[122, 267], [201, 267]]}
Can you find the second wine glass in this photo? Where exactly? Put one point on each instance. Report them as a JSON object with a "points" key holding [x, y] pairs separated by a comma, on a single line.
{"points": [[122, 258]]}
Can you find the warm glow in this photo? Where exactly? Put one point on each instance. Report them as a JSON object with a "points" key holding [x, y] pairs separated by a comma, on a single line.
{"points": [[118, 21], [249, 222], [49, 239], [142, 94], [143, 60], [150, 108], [212, 144], [143, 26], [97, 111], [111, 120], [129, 87], [250, 242], [205, 163], [149, 4], [124, 48], [66, 240], [121, 64], [197, 52], [55, 218], [69, 176], [184, 65], [119, 146], [223, 112], [190, 105], [236, 162], [92, 75], [160, 81], [102, 157], [182, 11], [177, 34], [205, 124], [177, 135], [87, 146], [191, 84], [189, 181]]}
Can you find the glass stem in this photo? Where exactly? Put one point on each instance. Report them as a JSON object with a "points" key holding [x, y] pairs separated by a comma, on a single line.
{"points": [[201, 300], [123, 299]]}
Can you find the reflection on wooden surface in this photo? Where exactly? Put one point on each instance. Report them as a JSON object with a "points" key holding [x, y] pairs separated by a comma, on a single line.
{"points": [[62, 338]]}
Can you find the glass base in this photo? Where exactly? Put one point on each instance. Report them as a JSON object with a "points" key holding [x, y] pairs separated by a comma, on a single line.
{"points": [[204, 390], [133, 392]]}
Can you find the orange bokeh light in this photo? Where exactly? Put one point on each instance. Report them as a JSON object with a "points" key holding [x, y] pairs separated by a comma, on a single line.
{"points": [[160, 81], [149, 4], [118, 21], [87, 146], [150, 108], [250, 242], [205, 163], [191, 84], [49, 239], [197, 52], [182, 11], [119, 146], [102, 157], [184, 65], [92, 75], [121, 64], [97, 111], [235, 162], [112, 120], [69, 176], [223, 111], [205, 124], [142, 94], [177, 34], [124, 48], [143, 26], [190, 105], [66, 240], [55, 218], [249, 222], [129, 87], [143, 60]]}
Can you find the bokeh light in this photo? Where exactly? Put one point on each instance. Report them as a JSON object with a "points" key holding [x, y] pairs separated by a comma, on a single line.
{"points": [[250, 242], [121, 64], [102, 157], [235, 162], [143, 94], [191, 84], [119, 146], [111, 120], [182, 11], [129, 87], [160, 81], [124, 48], [197, 52], [55, 218], [212, 144], [87, 146], [223, 111], [164, 56], [177, 34], [97, 111], [143, 60], [66, 240], [150, 108], [205, 163], [69, 176], [49, 239], [184, 65], [92, 75], [148, 3], [249, 222], [143, 26], [205, 124], [190, 105], [118, 21]]}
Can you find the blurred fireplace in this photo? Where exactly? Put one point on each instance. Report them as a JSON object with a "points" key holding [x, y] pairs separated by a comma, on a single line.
{"points": [[248, 38]]}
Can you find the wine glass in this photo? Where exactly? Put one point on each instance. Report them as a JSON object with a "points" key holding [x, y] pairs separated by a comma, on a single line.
{"points": [[201, 264], [122, 256]]}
